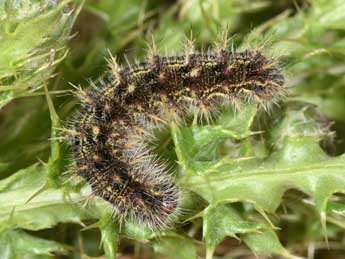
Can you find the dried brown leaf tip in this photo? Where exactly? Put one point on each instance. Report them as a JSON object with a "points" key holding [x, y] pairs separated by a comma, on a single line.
{"points": [[119, 111]]}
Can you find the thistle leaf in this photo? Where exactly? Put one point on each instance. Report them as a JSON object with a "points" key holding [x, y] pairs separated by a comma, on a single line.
{"points": [[33, 36], [175, 246], [26, 203], [19, 244]]}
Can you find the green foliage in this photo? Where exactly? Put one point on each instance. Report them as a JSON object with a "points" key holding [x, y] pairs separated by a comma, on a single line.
{"points": [[272, 178], [31, 32], [18, 244], [175, 247]]}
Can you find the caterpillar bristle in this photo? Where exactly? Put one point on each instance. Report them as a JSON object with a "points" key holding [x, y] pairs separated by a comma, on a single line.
{"points": [[114, 68], [111, 136], [152, 53], [189, 50], [222, 45], [89, 199]]}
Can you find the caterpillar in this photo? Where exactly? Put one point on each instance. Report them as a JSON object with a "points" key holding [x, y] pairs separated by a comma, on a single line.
{"points": [[108, 134]]}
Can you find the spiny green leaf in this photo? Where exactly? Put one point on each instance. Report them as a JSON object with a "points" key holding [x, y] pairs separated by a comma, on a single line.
{"points": [[297, 162], [267, 243], [296, 165], [175, 246], [18, 244], [26, 203], [110, 236], [55, 160], [221, 221], [136, 231], [200, 143], [32, 42]]}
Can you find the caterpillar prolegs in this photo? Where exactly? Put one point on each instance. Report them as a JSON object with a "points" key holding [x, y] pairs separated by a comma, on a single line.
{"points": [[110, 129]]}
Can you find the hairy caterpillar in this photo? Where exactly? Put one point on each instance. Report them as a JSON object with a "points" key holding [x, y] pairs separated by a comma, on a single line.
{"points": [[107, 136]]}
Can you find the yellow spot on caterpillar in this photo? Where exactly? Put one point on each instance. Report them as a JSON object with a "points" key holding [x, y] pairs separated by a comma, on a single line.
{"points": [[131, 88], [161, 77], [84, 167], [195, 72], [96, 157], [157, 193], [117, 178], [107, 107], [140, 108], [114, 135], [233, 65], [95, 130], [114, 151], [141, 203]]}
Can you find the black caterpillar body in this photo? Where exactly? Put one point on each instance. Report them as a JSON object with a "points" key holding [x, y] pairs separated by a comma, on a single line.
{"points": [[108, 135]]}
